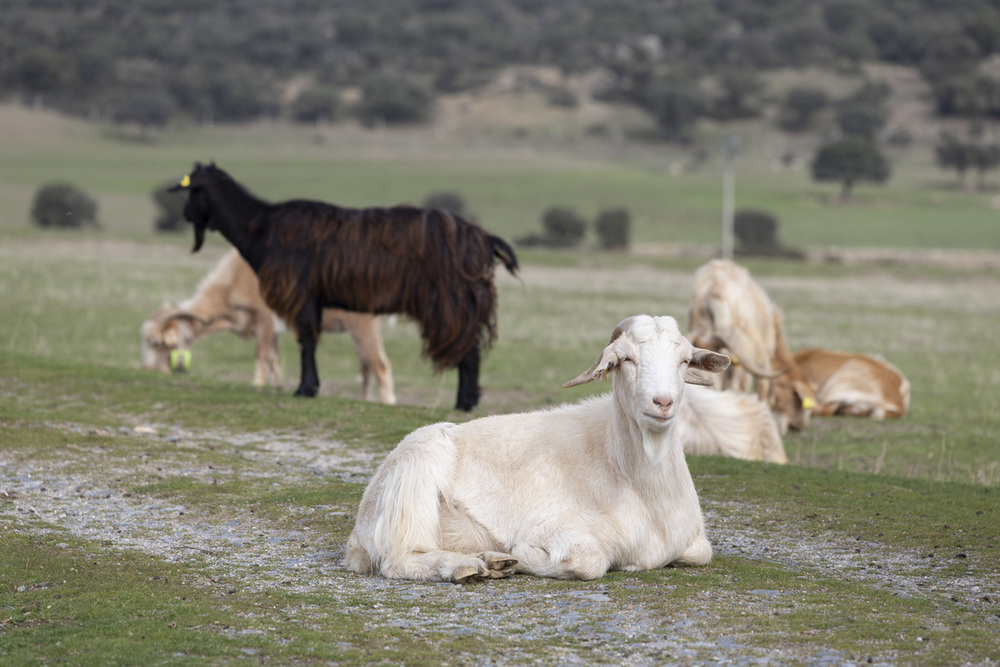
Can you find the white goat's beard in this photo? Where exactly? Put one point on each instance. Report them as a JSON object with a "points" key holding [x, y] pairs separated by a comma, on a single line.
{"points": [[655, 444]]}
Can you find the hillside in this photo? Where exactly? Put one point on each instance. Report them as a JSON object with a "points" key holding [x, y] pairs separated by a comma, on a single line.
{"points": [[151, 62]]}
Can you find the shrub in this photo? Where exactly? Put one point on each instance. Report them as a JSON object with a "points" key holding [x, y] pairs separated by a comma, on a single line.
{"points": [[449, 201], [393, 98], [170, 205], [799, 107], [148, 108], [63, 205], [563, 227], [316, 104], [613, 228], [756, 231], [757, 234], [565, 98]]}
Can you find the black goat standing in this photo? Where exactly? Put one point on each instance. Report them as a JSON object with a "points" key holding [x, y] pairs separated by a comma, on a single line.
{"points": [[427, 263]]}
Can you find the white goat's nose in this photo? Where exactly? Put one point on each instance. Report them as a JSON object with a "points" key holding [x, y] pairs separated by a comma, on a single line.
{"points": [[664, 403]]}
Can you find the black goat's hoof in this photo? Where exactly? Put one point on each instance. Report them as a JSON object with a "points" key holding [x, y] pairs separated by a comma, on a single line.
{"points": [[467, 404], [308, 393]]}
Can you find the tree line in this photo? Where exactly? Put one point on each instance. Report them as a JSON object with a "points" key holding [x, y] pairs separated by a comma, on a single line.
{"points": [[148, 61]]}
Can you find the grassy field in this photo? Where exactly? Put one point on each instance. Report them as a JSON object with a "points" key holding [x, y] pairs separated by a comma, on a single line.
{"points": [[507, 184], [194, 519]]}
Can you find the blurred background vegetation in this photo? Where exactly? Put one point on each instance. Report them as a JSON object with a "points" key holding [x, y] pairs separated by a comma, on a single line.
{"points": [[847, 93], [152, 61]]}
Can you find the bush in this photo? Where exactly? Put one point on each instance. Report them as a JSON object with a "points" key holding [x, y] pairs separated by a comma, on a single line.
{"points": [[757, 234], [562, 97], [170, 205], [449, 201], [63, 205], [149, 108], [613, 228], [799, 107], [563, 227], [316, 105], [756, 231], [393, 98]]}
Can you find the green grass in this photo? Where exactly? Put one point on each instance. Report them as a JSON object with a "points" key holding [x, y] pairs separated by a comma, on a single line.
{"points": [[506, 187]]}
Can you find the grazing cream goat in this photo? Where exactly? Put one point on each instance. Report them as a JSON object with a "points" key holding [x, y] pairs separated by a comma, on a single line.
{"points": [[728, 423], [730, 312], [570, 492], [228, 299], [855, 384]]}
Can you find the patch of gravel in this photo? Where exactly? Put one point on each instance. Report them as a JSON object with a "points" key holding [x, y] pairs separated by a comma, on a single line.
{"points": [[580, 625], [904, 572]]}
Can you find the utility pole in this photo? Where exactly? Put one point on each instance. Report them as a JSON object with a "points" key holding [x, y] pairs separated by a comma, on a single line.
{"points": [[730, 147]]}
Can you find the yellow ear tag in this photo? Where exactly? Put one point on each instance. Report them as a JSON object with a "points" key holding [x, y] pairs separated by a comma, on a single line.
{"points": [[186, 182], [735, 361], [808, 403], [180, 360]]}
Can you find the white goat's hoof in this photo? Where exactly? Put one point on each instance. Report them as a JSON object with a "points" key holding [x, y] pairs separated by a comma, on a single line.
{"points": [[467, 573], [499, 565]]}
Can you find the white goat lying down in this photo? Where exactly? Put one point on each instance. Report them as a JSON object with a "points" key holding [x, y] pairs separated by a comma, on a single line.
{"points": [[855, 384], [228, 299], [728, 423], [570, 492]]}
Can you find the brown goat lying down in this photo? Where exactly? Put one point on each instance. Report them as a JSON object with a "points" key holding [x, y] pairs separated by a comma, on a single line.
{"points": [[426, 263], [854, 384], [228, 299]]}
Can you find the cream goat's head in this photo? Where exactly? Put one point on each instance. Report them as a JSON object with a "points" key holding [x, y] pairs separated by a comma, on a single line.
{"points": [[168, 328], [651, 361]]}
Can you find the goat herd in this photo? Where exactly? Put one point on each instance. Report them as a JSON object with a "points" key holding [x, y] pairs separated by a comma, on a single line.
{"points": [[570, 492]]}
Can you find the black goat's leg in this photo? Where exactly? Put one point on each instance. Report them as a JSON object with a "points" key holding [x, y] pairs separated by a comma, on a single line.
{"points": [[468, 381], [307, 326]]}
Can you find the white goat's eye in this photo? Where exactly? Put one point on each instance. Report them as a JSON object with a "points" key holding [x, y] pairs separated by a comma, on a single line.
{"points": [[627, 360]]}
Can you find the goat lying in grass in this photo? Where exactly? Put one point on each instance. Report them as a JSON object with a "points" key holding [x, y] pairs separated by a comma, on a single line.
{"points": [[570, 492], [729, 423], [855, 384], [426, 263], [730, 312], [228, 299]]}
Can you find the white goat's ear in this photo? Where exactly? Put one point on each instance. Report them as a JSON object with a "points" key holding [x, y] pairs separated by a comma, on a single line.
{"points": [[608, 360], [599, 371], [706, 360], [694, 378]]}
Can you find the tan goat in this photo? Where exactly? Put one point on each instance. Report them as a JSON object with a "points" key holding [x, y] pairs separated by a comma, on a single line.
{"points": [[854, 384], [228, 299], [730, 312]]}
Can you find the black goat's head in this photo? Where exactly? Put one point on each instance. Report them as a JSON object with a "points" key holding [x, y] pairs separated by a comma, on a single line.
{"points": [[198, 210]]}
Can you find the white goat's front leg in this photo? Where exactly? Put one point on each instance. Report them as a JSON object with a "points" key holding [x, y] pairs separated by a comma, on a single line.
{"points": [[577, 559], [451, 566]]}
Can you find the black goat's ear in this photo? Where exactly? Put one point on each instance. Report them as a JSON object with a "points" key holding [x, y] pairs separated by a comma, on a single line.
{"points": [[199, 237]]}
